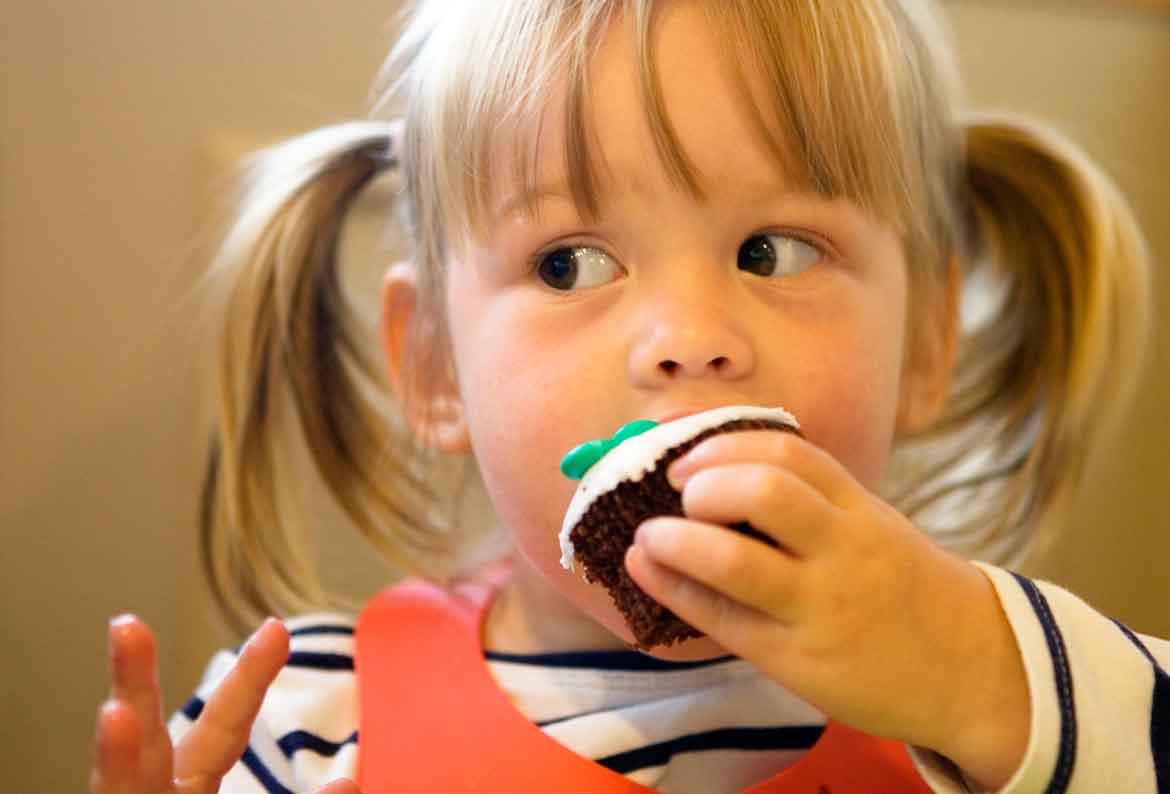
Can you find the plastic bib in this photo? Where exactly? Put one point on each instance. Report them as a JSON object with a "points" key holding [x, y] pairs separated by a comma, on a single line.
{"points": [[433, 720]]}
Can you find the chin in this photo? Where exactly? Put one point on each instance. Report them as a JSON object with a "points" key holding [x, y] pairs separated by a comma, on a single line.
{"points": [[697, 649], [693, 650]]}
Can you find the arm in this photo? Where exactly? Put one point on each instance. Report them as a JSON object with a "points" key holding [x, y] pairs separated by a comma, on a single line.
{"points": [[860, 614], [1099, 693]]}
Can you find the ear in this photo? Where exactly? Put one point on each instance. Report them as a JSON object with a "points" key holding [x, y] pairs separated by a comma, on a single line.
{"points": [[415, 355], [930, 364]]}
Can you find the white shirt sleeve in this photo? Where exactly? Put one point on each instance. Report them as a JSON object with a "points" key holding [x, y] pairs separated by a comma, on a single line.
{"points": [[1100, 699]]}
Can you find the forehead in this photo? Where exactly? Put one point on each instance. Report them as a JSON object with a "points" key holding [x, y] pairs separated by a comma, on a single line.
{"points": [[698, 126]]}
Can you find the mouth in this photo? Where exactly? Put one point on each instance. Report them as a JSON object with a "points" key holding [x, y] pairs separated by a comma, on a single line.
{"points": [[682, 414]]}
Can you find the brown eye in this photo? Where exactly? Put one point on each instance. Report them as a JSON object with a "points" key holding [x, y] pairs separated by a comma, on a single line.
{"points": [[777, 254], [575, 267]]}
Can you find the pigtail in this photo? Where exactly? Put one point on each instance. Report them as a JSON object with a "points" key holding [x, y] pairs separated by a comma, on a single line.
{"points": [[1058, 318], [296, 372]]}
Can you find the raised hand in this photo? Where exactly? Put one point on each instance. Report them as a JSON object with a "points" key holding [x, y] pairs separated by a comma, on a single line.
{"points": [[857, 611], [132, 749]]}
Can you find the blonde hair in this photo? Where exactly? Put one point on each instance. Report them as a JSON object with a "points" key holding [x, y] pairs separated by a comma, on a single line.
{"points": [[1040, 233]]}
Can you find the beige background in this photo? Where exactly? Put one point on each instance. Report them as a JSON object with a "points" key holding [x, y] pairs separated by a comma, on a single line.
{"points": [[115, 120]]}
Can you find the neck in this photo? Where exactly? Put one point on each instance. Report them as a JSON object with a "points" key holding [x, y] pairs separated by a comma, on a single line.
{"points": [[529, 616]]}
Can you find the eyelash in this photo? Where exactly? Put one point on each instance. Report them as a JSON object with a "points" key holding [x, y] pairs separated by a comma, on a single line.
{"points": [[808, 238]]}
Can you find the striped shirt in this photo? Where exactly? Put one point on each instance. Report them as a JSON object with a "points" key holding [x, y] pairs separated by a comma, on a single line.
{"points": [[1100, 709]]}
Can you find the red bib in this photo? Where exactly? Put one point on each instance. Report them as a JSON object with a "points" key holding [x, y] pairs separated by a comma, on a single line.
{"points": [[434, 720]]}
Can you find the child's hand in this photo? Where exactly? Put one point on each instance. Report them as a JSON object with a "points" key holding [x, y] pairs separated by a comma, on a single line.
{"points": [[858, 612], [133, 752]]}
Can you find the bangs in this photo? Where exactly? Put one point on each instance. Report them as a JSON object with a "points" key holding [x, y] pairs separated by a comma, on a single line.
{"points": [[826, 84]]}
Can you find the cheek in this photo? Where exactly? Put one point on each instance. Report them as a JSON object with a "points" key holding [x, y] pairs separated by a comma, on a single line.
{"points": [[858, 431], [522, 417], [850, 405]]}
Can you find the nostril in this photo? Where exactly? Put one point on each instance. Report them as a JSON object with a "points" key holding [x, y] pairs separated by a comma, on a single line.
{"points": [[718, 364]]}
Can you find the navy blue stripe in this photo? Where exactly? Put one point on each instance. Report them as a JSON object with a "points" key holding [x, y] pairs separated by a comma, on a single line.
{"points": [[307, 630], [303, 740], [800, 737], [192, 708], [261, 773], [289, 743], [316, 660], [577, 716], [320, 661], [602, 660], [1066, 759], [1159, 715]]}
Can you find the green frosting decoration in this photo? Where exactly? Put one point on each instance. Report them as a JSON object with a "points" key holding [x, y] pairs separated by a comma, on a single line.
{"points": [[582, 457]]}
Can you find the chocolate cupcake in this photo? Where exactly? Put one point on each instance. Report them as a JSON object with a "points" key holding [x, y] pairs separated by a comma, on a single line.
{"points": [[623, 483]]}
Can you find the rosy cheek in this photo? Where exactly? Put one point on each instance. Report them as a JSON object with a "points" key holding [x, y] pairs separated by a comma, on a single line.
{"points": [[856, 431]]}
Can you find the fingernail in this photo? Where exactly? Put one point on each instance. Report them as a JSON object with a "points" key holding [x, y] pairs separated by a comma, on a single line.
{"points": [[118, 630], [679, 472], [256, 634], [119, 622], [645, 533]]}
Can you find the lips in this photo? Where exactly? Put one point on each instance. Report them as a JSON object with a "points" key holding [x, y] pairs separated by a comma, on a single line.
{"points": [[670, 417]]}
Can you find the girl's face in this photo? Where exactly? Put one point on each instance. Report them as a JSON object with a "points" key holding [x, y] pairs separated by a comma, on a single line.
{"points": [[562, 332]]}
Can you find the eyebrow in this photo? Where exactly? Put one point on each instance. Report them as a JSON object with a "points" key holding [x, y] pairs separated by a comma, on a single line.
{"points": [[519, 200], [756, 191]]}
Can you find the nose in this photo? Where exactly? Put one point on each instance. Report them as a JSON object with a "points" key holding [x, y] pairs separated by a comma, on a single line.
{"points": [[689, 337]]}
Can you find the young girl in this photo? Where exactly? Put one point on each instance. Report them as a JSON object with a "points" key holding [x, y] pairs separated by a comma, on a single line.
{"points": [[626, 210]]}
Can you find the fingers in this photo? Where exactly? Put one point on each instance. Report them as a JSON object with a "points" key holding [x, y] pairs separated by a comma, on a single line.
{"points": [[220, 734], [727, 562], [134, 726], [134, 671], [343, 786], [133, 751], [784, 450], [773, 500], [117, 750], [737, 627]]}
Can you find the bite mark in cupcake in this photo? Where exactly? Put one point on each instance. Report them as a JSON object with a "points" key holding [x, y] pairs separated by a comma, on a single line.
{"points": [[623, 483]]}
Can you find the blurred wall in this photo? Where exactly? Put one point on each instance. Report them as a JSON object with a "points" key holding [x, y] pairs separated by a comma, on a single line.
{"points": [[116, 120], [1100, 73]]}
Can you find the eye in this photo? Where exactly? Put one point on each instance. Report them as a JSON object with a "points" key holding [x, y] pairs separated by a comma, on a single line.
{"points": [[575, 267], [777, 254]]}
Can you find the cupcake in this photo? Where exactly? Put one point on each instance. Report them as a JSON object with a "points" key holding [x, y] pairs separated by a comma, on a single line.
{"points": [[623, 483]]}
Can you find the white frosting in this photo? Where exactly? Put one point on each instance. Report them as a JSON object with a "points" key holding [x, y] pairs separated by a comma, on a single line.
{"points": [[637, 456]]}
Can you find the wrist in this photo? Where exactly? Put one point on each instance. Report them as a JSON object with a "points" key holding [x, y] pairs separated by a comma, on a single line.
{"points": [[991, 717]]}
